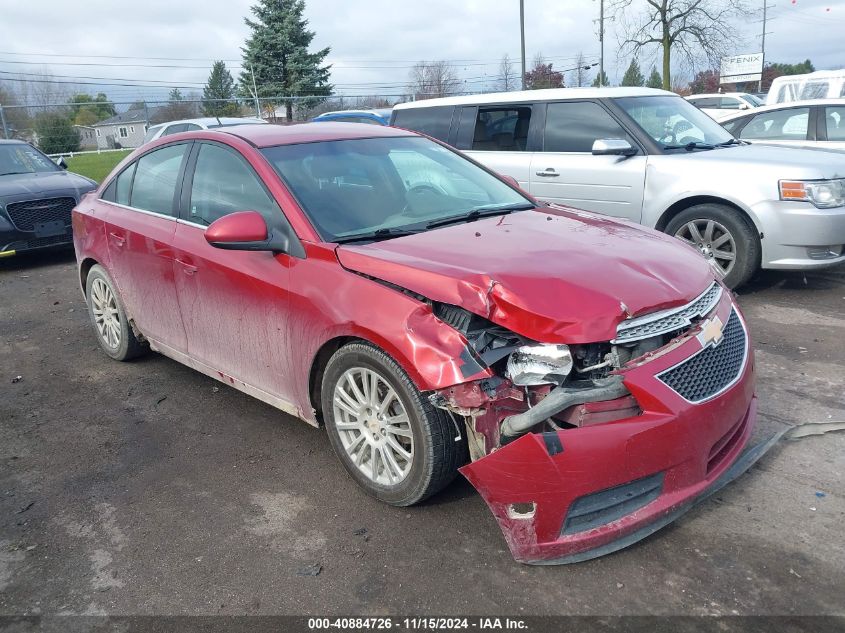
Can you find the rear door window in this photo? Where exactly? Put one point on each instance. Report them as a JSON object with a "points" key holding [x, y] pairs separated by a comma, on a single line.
{"points": [[175, 129], [815, 90], [729, 103], [780, 125], [156, 177], [502, 129], [834, 117], [434, 121], [575, 126]]}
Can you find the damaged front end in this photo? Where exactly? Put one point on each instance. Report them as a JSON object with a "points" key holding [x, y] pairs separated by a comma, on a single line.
{"points": [[582, 449]]}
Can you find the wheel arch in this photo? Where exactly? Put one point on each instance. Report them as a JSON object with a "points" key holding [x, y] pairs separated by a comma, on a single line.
{"points": [[685, 203], [318, 370], [85, 267]]}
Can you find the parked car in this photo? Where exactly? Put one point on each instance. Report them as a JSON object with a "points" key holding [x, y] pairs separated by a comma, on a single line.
{"points": [[36, 198], [819, 123], [821, 84], [374, 117], [596, 375], [651, 157], [205, 123], [720, 105]]}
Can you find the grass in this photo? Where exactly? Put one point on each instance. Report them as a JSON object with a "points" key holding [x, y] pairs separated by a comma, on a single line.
{"points": [[95, 166]]}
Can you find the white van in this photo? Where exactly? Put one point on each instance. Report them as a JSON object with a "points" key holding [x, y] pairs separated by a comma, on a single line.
{"points": [[822, 84]]}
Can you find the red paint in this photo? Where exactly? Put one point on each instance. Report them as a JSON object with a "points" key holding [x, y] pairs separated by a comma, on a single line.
{"points": [[243, 226], [552, 275]]}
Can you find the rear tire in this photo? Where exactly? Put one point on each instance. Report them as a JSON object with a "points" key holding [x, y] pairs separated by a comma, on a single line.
{"points": [[725, 238], [394, 444], [108, 317]]}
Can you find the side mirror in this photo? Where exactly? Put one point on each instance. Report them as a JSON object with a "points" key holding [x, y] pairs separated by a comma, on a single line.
{"points": [[513, 182], [245, 231], [613, 147], [60, 161], [744, 106]]}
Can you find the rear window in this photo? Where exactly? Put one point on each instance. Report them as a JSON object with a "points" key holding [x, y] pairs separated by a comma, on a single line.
{"points": [[434, 121]]}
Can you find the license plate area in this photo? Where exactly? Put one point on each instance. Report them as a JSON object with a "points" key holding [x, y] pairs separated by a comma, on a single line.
{"points": [[49, 229]]}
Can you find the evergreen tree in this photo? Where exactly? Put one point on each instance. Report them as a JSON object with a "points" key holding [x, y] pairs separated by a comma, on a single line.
{"points": [[220, 85], [277, 53], [654, 79], [600, 80], [633, 76], [56, 133]]}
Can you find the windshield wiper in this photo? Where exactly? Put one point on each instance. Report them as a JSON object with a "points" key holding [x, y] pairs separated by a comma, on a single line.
{"points": [[15, 173], [372, 236], [480, 212], [691, 146], [733, 141]]}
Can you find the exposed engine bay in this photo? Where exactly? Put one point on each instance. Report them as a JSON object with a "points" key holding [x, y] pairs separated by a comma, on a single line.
{"points": [[552, 387]]}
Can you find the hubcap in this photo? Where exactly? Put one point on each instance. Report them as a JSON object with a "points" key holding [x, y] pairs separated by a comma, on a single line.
{"points": [[374, 427], [106, 316], [713, 240]]}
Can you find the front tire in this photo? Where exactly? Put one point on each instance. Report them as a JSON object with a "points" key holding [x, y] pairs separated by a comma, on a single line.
{"points": [[724, 237], [391, 440], [111, 325]]}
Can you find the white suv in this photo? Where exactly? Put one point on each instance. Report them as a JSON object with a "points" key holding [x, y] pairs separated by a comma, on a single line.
{"points": [[651, 157]]}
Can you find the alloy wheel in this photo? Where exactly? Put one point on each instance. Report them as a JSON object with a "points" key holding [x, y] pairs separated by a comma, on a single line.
{"points": [[373, 426], [713, 240], [106, 314]]}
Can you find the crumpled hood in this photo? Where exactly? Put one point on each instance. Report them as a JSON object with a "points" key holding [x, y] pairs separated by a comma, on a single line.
{"points": [[553, 275], [18, 185]]}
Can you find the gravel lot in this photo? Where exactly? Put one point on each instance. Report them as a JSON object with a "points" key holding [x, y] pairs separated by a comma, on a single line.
{"points": [[147, 488]]}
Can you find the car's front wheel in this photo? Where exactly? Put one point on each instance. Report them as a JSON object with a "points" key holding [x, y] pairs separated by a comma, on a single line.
{"points": [[723, 237], [114, 333], [390, 439]]}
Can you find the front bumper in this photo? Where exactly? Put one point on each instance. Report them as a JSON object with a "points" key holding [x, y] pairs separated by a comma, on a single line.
{"points": [[13, 240], [794, 230], [557, 496]]}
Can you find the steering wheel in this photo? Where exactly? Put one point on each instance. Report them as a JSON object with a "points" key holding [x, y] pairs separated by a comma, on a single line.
{"points": [[417, 190]]}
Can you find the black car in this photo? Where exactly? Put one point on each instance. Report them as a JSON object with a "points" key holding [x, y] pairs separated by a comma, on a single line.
{"points": [[36, 198]]}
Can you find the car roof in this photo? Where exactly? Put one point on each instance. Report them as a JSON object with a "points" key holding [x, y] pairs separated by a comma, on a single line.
{"points": [[380, 113], [785, 106], [210, 120], [271, 135], [710, 95], [12, 141], [550, 94]]}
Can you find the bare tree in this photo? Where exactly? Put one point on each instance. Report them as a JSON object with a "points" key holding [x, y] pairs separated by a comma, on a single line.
{"points": [[693, 30], [581, 73], [508, 79], [428, 80]]}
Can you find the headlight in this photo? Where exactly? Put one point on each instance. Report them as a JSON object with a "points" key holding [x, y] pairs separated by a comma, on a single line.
{"points": [[825, 194], [539, 364]]}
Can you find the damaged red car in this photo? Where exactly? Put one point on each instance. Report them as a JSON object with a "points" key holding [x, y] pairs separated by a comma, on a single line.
{"points": [[589, 377]]}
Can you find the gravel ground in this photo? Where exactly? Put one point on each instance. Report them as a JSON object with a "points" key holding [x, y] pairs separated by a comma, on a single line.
{"points": [[148, 488]]}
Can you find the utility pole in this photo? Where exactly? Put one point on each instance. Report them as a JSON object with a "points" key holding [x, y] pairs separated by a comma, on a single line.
{"points": [[3, 121], [601, 43], [255, 94], [763, 45], [522, 37]]}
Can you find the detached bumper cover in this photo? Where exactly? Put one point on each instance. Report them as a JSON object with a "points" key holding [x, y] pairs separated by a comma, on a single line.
{"points": [[572, 495]]}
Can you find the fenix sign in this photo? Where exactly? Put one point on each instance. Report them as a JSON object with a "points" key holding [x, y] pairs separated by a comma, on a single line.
{"points": [[748, 67]]}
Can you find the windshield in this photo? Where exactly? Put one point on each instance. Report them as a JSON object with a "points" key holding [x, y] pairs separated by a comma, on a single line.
{"points": [[360, 186], [673, 121], [20, 158], [753, 100]]}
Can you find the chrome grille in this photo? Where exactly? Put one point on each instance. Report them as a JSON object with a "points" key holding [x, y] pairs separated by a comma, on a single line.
{"points": [[667, 321], [25, 215], [713, 369]]}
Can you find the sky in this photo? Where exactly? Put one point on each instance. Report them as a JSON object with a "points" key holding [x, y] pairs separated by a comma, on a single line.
{"points": [[156, 44]]}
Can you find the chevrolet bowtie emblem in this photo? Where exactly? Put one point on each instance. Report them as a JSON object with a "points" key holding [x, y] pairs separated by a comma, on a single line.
{"points": [[711, 332]]}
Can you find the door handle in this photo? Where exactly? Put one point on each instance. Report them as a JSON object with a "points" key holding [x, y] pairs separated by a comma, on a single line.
{"points": [[188, 269], [119, 240], [549, 172]]}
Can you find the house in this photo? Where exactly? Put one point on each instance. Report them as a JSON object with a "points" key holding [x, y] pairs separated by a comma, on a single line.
{"points": [[126, 129], [87, 137]]}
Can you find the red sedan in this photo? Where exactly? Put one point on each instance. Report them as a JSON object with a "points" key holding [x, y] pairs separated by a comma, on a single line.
{"points": [[589, 377]]}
